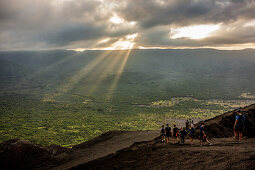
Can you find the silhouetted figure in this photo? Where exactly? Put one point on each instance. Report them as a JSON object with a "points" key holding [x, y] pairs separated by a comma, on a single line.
{"points": [[202, 135], [191, 133], [163, 134], [192, 124], [182, 135], [187, 124], [168, 133], [175, 134], [239, 126]]}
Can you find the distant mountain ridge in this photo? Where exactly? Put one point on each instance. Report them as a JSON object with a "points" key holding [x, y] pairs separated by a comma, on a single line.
{"points": [[215, 71]]}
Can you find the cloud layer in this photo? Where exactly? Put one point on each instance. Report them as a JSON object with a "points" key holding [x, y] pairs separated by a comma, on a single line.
{"points": [[45, 24]]}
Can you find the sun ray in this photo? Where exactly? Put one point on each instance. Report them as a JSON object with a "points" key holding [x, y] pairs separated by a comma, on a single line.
{"points": [[47, 69], [118, 75], [83, 72], [114, 63]]}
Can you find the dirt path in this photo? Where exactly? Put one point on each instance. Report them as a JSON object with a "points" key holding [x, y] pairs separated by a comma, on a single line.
{"points": [[94, 150], [223, 154]]}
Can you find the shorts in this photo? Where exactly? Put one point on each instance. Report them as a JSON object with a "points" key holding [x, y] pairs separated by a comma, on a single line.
{"points": [[168, 134], [175, 135], [202, 137], [238, 128], [163, 134], [191, 135]]}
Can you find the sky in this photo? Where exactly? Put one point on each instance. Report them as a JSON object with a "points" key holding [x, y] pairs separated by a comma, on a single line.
{"points": [[126, 24]]}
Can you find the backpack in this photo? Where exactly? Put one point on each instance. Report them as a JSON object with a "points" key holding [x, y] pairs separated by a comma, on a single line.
{"points": [[193, 130], [241, 120]]}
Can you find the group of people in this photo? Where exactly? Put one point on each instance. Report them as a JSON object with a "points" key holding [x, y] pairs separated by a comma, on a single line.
{"points": [[179, 134]]}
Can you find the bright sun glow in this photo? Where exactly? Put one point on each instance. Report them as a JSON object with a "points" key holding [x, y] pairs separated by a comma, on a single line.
{"points": [[124, 43], [104, 40], [116, 19], [193, 32]]}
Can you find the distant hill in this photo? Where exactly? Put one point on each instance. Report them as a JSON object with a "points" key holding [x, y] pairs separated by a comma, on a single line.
{"points": [[202, 73]]}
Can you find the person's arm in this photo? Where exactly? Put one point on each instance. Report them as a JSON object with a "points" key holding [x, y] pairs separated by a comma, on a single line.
{"points": [[204, 133], [235, 123]]}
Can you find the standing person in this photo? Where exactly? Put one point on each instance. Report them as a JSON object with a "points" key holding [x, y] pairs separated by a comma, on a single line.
{"points": [[239, 126], [182, 135], [168, 133], [163, 133], [202, 135], [189, 121], [191, 133], [192, 124], [175, 134], [187, 124]]}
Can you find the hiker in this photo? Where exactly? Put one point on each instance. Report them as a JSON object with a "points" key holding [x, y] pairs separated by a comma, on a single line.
{"points": [[168, 133], [175, 134], [203, 136], [182, 135], [163, 134], [239, 126], [187, 124], [191, 133], [192, 124], [189, 121]]}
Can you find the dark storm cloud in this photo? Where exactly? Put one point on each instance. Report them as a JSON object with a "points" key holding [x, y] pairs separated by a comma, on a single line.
{"points": [[83, 23], [73, 32], [159, 37], [151, 13]]}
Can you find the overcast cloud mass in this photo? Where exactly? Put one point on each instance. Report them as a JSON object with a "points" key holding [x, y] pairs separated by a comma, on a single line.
{"points": [[96, 24]]}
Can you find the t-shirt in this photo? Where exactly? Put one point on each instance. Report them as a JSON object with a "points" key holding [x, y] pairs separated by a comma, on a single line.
{"points": [[191, 131], [182, 133], [163, 131], [240, 120], [175, 130], [168, 130], [202, 129], [187, 125]]}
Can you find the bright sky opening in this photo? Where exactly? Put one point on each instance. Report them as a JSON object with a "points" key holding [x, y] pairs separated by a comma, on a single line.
{"points": [[193, 32]]}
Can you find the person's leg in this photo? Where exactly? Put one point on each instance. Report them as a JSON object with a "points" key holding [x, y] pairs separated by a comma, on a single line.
{"points": [[240, 136], [163, 138], [167, 139], [208, 141], [201, 140], [236, 135]]}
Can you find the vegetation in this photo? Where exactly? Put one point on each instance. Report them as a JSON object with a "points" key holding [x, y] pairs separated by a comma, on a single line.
{"points": [[67, 97]]}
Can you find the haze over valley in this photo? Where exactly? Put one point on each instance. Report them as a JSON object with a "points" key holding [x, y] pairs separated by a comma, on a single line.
{"points": [[68, 97]]}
